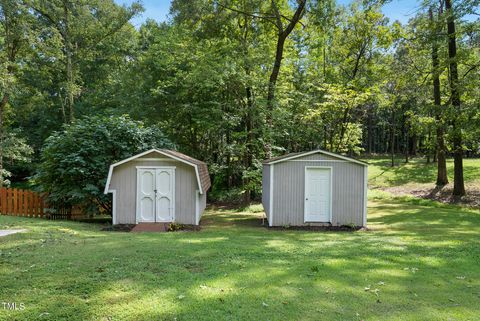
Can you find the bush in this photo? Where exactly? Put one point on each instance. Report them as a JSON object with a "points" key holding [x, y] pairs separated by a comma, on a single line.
{"points": [[75, 161]]}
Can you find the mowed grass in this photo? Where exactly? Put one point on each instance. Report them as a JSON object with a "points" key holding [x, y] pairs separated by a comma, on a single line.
{"points": [[419, 261], [417, 171]]}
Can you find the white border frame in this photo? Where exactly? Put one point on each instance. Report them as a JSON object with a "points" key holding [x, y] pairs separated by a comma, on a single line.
{"points": [[315, 152], [137, 205], [110, 171], [305, 194]]}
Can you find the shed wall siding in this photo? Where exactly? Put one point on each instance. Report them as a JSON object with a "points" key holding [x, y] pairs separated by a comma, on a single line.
{"points": [[124, 181], [266, 188], [289, 191]]}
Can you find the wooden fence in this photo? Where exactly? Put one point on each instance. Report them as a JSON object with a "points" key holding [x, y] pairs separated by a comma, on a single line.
{"points": [[26, 203]]}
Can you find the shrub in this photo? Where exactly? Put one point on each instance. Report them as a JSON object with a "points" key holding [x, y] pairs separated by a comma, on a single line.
{"points": [[75, 161]]}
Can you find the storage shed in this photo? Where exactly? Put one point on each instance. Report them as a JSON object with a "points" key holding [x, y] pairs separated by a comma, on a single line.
{"points": [[158, 186], [315, 188]]}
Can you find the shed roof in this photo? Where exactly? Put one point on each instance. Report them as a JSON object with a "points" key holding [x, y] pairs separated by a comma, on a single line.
{"points": [[201, 170], [289, 156]]}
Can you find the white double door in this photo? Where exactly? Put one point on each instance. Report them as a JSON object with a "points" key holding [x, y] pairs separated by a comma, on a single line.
{"points": [[155, 194], [318, 193]]}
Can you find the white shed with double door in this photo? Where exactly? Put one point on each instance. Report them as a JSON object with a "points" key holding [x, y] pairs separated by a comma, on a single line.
{"points": [[158, 186], [315, 188]]}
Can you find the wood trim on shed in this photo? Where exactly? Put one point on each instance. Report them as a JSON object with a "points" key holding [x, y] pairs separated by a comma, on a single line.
{"points": [[110, 171], [365, 196], [270, 214], [353, 160], [197, 207], [114, 205]]}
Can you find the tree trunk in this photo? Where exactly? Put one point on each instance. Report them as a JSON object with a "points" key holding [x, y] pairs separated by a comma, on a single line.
{"points": [[369, 130], [406, 155], [282, 35], [392, 139], [68, 64], [458, 183], [249, 143], [442, 178]]}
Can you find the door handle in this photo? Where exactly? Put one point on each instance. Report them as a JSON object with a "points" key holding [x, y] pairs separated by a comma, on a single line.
{"points": [[306, 199]]}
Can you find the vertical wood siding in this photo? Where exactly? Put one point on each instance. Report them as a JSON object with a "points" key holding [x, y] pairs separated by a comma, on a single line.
{"points": [[289, 191], [124, 181], [266, 188]]}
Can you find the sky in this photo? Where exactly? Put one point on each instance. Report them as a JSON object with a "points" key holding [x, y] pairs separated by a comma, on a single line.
{"points": [[401, 10]]}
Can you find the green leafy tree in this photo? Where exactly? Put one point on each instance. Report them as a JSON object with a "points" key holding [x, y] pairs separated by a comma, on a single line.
{"points": [[14, 150], [75, 161]]}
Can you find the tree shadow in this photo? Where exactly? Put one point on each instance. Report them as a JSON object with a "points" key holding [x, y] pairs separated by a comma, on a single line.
{"points": [[410, 266]]}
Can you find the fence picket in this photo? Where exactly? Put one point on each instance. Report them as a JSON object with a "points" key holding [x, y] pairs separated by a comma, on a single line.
{"points": [[9, 201], [32, 204], [3, 196], [15, 202], [19, 202], [42, 207]]}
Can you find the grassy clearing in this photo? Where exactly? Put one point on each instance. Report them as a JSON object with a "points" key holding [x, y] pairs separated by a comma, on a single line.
{"points": [[417, 171], [419, 262]]}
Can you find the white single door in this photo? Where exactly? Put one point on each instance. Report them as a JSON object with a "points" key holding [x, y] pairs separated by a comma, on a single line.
{"points": [[318, 191], [165, 194], [146, 195], [155, 194]]}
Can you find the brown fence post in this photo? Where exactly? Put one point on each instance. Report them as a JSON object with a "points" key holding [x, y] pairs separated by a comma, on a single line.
{"points": [[28, 198], [9, 201], [34, 205], [3, 196], [31, 204], [42, 207], [25, 203], [15, 202], [21, 210]]}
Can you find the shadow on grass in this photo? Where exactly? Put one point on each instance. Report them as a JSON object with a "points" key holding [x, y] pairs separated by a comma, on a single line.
{"points": [[418, 171], [234, 270]]}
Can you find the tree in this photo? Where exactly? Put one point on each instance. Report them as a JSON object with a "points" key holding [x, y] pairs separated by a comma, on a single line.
{"points": [[74, 161], [14, 150], [14, 33], [82, 27], [458, 183], [442, 178], [282, 34]]}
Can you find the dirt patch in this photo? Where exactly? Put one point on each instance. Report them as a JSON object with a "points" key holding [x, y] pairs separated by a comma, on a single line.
{"points": [[119, 228], [440, 194]]}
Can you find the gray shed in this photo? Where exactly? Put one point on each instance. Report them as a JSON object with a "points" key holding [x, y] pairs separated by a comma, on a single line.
{"points": [[315, 188], [158, 186]]}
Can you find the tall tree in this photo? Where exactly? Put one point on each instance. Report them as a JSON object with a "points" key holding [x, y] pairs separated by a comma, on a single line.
{"points": [[458, 182], [14, 35], [442, 178], [283, 31], [82, 27]]}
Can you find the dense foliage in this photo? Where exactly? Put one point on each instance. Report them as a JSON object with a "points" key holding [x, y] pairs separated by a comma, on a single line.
{"points": [[74, 162], [347, 80]]}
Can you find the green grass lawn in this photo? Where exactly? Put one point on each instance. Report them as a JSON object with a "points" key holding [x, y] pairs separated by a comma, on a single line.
{"points": [[419, 261], [417, 171]]}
